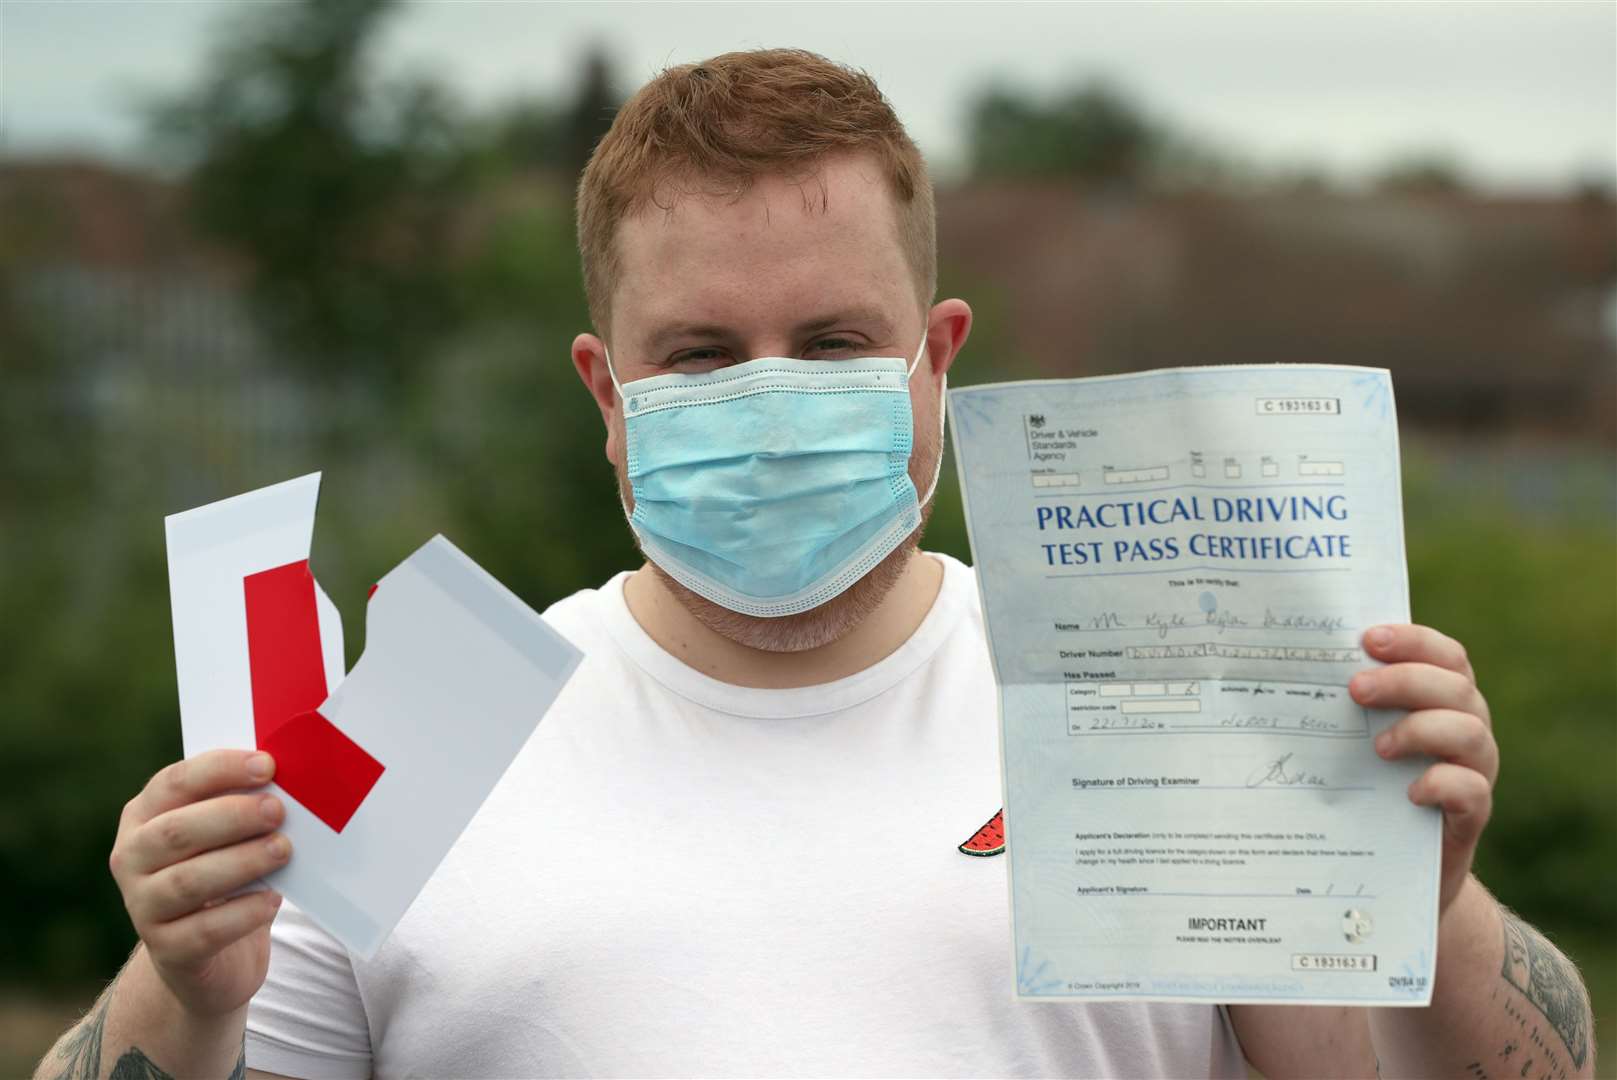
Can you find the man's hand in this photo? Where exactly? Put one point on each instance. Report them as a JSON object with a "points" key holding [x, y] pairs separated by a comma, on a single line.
{"points": [[196, 833], [1428, 674], [185, 843]]}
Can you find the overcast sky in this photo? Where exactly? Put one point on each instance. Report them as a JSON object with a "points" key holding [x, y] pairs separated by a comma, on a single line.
{"points": [[1524, 95]]}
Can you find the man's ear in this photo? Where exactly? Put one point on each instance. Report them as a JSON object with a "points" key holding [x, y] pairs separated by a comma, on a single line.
{"points": [[589, 360], [948, 325]]}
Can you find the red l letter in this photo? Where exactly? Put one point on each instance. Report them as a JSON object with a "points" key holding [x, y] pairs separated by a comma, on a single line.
{"points": [[315, 763]]}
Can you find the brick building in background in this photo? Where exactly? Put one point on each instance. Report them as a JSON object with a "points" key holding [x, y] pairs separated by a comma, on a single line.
{"points": [[1495, 315]]}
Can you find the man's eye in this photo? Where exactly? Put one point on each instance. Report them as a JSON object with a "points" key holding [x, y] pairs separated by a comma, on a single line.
{"points": [[700, 359], [832, 344]]}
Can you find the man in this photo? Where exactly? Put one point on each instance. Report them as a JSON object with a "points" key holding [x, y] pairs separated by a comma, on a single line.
{"points": [[730, 848]]}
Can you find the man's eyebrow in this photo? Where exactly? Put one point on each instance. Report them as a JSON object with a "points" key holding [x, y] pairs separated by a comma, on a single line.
{"points": [[857, 316], [677, 331]]}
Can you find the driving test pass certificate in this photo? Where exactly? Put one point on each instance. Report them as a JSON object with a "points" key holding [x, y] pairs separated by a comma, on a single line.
{"points": [[1176, 568]]}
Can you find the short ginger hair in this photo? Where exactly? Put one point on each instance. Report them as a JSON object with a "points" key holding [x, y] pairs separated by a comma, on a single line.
{"points": [[717, 125]]}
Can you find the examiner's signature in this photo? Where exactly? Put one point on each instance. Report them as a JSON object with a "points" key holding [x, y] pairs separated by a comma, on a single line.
{"points": [[1281, 772]]}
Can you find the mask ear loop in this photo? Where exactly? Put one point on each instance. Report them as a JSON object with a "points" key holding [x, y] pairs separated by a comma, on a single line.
{"points": [[628, 514], [611, 373], [943, 398]]}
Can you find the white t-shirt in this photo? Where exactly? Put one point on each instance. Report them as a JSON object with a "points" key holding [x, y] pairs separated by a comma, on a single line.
{"points": [[680, 877]]}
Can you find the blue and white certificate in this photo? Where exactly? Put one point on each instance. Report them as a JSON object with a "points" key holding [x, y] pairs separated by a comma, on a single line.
{"points": [[1176, 568]]}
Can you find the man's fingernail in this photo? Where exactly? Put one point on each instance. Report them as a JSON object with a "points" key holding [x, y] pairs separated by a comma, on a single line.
{"points": [[259, 766], [1362, 685], [1384, 742], [1380, 637]]}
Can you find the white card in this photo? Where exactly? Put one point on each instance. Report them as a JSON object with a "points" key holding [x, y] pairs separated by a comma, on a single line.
{"points": [[380, 777], [210, 551]]}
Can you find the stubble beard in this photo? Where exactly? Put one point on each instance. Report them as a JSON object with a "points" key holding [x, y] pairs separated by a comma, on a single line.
{"points": [[836, 617]]}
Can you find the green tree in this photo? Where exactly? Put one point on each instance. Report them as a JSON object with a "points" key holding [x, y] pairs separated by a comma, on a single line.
{"points": [[1424, 173], [1094, 132], [341, 189], [536, 135], [590, 114]]}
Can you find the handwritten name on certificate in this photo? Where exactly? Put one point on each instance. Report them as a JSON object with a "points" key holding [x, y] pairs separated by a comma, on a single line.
{"points": [[1176, 568]]}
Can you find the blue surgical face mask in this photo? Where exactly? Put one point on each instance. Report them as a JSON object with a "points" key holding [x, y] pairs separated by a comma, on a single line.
{"points": [[770, 487]]}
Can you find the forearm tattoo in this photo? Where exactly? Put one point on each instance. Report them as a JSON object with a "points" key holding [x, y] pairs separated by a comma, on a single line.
{"points": [[1551, 985], [80, 1054], [135, 1065]]}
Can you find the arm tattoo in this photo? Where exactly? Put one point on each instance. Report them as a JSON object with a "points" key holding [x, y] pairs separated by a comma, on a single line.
{"points": [[1550, 983], [135, 1065], [81, 1053]]}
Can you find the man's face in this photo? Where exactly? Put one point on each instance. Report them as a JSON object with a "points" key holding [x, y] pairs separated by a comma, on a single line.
{"points": [[808, 268]]}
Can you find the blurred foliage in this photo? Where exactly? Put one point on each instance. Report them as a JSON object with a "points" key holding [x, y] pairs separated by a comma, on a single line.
{"points": [[339, 186], [1422, 174], [1097, 134], [535, 134], [1533, 597], [514, 440], [1094, 131], [415, 276]]}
